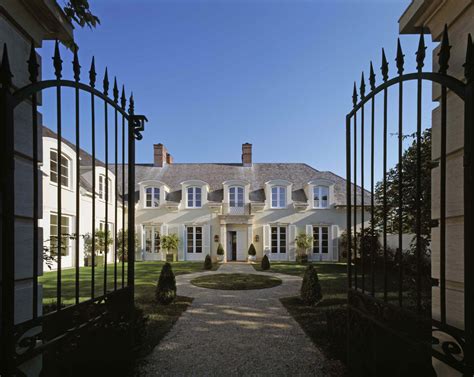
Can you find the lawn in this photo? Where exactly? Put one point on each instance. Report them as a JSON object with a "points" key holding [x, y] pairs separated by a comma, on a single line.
{"points": [[161, 318], [236, 281]]}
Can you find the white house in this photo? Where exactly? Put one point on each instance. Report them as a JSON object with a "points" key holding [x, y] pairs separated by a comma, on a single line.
{"points": [[236, 204], [67, 180]]}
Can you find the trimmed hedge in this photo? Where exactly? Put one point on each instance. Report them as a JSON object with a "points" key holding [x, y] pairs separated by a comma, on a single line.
{"points": [[310, 287], [166, 287], [208, 262], [265, 263], [252, 252], [220, 250]]}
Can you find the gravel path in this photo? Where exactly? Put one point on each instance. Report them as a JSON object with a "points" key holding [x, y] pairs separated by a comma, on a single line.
{"points": [[235, 333]]}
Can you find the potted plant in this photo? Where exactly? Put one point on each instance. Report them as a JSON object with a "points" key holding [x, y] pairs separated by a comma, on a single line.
{"points": [[303, 243], [101, 238], [122, 245], [220, 253], [169, 244], [252, 253]]}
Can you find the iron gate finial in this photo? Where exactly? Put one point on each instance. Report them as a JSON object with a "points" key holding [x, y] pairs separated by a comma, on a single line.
{"points": [[123, 99], [115, 90], [57, 62], [92, 73], [5, 72], [33, 66], [76, 67], [384, 67], [400, 59], [372, 77], [469, 64], [421, 53], [106, 82], [444, 52], [354, 95]]}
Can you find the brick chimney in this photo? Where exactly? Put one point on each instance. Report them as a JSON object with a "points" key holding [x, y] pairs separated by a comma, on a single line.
{"points": [[247, 154], [161, 157]]}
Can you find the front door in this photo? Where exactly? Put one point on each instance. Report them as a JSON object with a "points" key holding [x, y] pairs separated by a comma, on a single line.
{"points": [[233, 243]]}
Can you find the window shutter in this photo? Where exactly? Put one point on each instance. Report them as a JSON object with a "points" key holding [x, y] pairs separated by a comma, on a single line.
{"points": [[335, 242], [206, 234], [266, 239], [292, 242]]}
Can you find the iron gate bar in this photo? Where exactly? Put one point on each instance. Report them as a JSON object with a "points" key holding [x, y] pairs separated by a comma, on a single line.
{"points": [[362, 208], [92, 78], [355, 193], [77, 71], [123, 103], [106, 141], [115, 92], [58, 68], [458, 351], [33, 71], [372, 162], [400, 61]]}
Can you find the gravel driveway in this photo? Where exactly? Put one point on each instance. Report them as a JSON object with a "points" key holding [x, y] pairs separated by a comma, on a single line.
{"points": [[235, 333]]}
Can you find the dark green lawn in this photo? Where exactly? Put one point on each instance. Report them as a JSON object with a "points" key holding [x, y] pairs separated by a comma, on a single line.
{"points": [[236, 282]]}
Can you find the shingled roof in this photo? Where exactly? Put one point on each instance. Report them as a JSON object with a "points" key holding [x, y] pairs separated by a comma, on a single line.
{"points": [[214, 174]]}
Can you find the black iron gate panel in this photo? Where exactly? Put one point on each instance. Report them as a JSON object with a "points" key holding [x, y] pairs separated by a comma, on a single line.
{"points": [[390, 326], [101, 292]]}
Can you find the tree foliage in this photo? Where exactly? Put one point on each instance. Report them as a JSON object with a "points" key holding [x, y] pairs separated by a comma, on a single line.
{"points": [[78, 11], [220, 250], [122, 244], [265, 265], [166, 287], [252, 252], [208, 262], [310, 287], [101, 238], [303, 242], [169, 242]]}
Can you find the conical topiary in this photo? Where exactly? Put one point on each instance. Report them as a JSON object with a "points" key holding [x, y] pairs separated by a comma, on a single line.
{"points": [[310, 287], [265, 263], [220, 250], [166, 288], [208, 262], [252, 252]]}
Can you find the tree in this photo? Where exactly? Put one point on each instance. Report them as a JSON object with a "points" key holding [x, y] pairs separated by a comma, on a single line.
{"points": [[122, 244], [79, 12], [100, 240], [220, 250], [170, 242], [303, 243], [265, 265], [252, 252], [166, 287], [208, 262], [310, 287]]}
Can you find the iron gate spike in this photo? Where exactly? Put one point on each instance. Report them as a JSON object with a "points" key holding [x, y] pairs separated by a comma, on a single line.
{"points": [[372, 77], [123, 99], [115, 90], [76, 66], [33, 66], [444, 52], [384, 67], [5, 72], [362, 87], [400, 59], [57, 62], [92, 73], [106, 82], [421, 52], [354, 95]]}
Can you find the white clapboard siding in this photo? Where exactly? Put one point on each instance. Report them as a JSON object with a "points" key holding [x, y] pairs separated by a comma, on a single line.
{"points": [[335, 242], [291, 242], [266, 239]]}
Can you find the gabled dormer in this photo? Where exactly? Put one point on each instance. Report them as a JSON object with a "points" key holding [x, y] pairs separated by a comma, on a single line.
{"points": [[152, 194], [320, 193], [236, 196], [194, 194], [278, 194]]}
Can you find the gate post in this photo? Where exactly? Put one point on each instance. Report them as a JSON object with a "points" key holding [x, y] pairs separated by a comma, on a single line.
{"points": [[7, 252]]}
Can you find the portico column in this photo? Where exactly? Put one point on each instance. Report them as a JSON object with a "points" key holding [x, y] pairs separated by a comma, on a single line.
{"points": [[224, 240]]}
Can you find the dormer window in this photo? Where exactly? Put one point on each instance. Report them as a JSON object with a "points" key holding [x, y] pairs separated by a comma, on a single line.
{"points": [[236, 196], [278, 197], [102, 187], [152, 197], [65, 168], [194, 197], [321, 197]]}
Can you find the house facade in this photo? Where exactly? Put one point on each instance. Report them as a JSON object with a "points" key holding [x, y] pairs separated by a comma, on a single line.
{"points": [[69, 217], [235, 205]]}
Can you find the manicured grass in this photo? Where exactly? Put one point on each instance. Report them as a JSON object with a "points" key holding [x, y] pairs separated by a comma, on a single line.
{"points": [[332, 276], [236, 282]]}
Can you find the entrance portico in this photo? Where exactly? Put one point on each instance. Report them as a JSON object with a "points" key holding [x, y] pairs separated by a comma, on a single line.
{"points": [[236, 234]]}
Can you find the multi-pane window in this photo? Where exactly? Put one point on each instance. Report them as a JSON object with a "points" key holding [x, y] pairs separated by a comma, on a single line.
{"points": [[278, 240], [236, 196], [320, 239], [194, 197], [152, 197], [194, 239], [321, 196], [278, 197], [65, 234], [103, 187], [53, 168], [152, 239]]}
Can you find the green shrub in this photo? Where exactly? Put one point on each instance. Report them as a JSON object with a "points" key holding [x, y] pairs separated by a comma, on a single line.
{"points": [[166, 288], [310, 288], [220, 250], [208, 262], [252, 251], [265, 263]]}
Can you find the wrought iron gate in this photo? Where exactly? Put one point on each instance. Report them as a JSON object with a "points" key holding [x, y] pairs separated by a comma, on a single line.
{"points": [[389, 332], [109, 292]]}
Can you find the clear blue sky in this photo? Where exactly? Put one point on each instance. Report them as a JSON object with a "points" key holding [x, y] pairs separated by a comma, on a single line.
{"points": [[211, 75]]}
